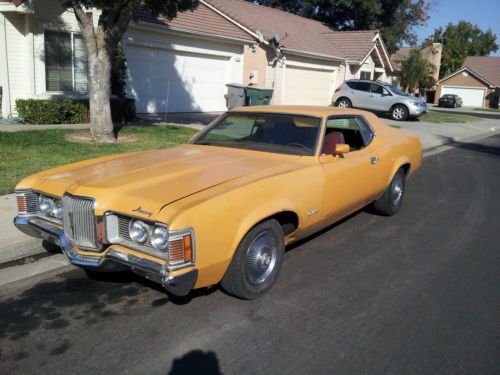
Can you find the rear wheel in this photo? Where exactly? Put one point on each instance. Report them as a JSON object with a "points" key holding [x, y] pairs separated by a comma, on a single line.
{"points": [[390, 202], [344, 103], [399, 112], [256, 262]]}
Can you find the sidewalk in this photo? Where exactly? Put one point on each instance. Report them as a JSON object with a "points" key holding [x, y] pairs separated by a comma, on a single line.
{"points": [[468, 111], [15, 245]]}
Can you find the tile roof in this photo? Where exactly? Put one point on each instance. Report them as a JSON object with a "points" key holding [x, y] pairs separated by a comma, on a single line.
{"points": [[353, 45], [202, 20], [487, 67], [304, 34]]}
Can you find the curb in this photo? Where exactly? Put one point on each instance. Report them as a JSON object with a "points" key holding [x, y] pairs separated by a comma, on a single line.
{"points": [[18, 277]]}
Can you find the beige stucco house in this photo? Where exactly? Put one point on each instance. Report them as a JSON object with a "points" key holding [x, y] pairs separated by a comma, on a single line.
{"points": [[183, 65]]}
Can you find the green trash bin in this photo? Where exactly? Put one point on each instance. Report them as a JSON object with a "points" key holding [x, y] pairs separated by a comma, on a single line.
{"points": [[257, 96]]}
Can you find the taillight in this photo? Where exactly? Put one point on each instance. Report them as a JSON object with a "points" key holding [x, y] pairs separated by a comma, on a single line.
{"points": [[337, 89]]}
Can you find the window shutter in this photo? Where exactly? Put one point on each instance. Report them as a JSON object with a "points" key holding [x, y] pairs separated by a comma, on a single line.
{"points": [[80, 64]]}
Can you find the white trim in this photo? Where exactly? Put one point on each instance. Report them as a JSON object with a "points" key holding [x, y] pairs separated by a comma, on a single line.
{"points": [[313, 54], [148, 26], [11, 8], [471, 72], [4, 60], [388, 59], [131, 41]]}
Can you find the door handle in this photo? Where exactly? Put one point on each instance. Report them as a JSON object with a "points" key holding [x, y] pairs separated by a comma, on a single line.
{"points": [[374, 160]]}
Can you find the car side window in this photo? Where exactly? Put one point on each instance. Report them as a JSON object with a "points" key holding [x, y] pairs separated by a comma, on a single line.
{"points": [[363, 86], [366, 132], [376, 89], [346, 131]]}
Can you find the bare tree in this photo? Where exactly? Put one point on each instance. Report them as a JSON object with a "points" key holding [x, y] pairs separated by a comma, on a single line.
{"points": [[101, 42]]}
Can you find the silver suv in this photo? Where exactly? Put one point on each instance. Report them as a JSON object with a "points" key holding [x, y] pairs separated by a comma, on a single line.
{"points": [[378, 97]]}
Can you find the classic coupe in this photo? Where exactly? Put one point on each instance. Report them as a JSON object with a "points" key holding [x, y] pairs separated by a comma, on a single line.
{"points": [[221, 208]]}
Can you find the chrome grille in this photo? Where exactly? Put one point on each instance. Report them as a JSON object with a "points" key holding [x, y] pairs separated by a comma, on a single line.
{"points": [[79, 221]]}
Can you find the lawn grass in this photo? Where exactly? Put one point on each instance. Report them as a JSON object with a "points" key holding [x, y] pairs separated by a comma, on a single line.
{"points": [[24, 153], [442, 117], [487, 109]]}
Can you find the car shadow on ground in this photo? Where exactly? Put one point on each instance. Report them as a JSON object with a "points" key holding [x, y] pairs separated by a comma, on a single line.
{"points": [[196, 362]]}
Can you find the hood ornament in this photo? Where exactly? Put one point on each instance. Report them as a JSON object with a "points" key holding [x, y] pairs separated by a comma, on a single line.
{"points": [[141, 211]]}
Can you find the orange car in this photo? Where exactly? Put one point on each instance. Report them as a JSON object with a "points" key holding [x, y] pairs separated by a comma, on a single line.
{"points": [[221, 208]]}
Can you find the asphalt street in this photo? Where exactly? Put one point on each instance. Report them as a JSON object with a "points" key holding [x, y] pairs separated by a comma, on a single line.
{"points": [[416, 293]]}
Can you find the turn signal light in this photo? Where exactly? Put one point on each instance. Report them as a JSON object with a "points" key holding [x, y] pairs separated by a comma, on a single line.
{"points": [[180, 250], [22, 205]]}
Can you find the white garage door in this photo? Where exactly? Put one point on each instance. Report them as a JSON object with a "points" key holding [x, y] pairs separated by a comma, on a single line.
{"points": [[471, 97], [304, 86], [187, 82]]}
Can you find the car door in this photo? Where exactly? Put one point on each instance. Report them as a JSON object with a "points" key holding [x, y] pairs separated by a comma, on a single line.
{"points": [[379, 98], [353, 179], [360, 94]]}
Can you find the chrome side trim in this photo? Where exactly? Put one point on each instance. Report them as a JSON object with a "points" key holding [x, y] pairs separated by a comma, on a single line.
{"points": [[114, 260]]}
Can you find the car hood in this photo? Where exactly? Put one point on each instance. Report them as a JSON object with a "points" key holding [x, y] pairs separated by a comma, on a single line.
{"points": [[150, 180]]}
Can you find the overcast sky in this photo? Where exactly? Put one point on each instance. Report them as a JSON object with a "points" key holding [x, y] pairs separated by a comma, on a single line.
{"points": [[484, 13]]}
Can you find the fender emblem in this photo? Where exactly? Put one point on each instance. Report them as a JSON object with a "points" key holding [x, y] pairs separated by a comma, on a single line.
{"points": [[312, 212], [141, 211]]}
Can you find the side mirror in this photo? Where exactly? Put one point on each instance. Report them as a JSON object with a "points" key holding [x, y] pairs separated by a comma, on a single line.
{"points": [[342, 148]]}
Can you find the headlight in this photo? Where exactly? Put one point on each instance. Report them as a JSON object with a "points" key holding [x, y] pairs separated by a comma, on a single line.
{"points": [[159, 237], [138, 231], [46, 204], [57, 210]]}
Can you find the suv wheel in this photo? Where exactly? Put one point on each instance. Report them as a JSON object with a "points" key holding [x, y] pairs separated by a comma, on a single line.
{"points": [[344, 103], [399, 112]]}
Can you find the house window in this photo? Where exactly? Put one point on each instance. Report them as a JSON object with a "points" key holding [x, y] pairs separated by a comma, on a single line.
{"points": [[65, 62], [366, 75]]}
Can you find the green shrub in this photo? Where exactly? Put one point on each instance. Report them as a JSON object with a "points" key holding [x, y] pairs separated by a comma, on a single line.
{"points": [[69, 111], [53, 111]]}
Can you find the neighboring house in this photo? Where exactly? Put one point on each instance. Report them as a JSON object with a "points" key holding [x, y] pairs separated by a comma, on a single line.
{"points": [[477, 82], [309, 60], [431, 53], [184, 65]]}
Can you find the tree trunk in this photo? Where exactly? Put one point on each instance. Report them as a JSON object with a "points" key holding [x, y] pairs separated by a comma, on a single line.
{"points": [[101, 123]]}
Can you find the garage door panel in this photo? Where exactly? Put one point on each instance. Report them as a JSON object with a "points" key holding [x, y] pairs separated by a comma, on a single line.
{"points": [[305, 86], [471, 97], [192, 82]]}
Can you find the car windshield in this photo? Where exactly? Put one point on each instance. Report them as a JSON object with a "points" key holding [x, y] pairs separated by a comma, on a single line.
{"points": [[396, 91], [270, 132]]}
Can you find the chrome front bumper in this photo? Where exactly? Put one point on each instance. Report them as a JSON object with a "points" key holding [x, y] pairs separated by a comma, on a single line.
{"points": [[114, 259]]}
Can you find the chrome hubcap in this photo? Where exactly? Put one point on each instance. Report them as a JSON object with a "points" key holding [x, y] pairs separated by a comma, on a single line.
{"points": [[261, 258], [397, 189], [343, 104], [398, 113]]}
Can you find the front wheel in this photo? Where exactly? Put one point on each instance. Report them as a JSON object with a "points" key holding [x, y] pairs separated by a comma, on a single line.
{"points": [[256, 262], [399, 112], [390, 202]]}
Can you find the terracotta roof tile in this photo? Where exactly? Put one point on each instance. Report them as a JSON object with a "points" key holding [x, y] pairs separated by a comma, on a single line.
{"points": [[201, 20], [487, 67], [304, 34], [353, 45]]}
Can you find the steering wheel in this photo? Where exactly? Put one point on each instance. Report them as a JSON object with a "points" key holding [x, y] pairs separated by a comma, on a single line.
{"points": [[296, 144]]}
